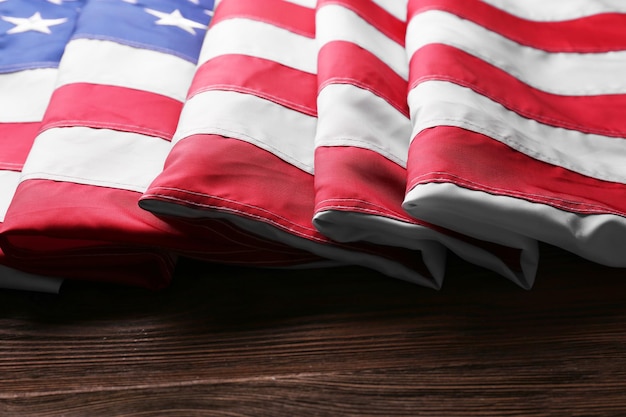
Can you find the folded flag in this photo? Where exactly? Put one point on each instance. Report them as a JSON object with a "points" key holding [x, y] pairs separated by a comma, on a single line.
{"points": [[299, 133], [518, 121], [122, 81], [363, 138], [244, 147]]}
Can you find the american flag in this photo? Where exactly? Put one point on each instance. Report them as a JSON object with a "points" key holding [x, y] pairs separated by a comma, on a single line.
{"points": [[518, 127], [282, 133]]}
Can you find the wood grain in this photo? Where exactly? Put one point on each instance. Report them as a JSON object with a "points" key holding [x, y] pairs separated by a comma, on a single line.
{"points": [[341, 342]]}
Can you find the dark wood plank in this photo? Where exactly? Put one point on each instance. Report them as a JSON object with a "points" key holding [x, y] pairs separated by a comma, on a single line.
{"points": [[246, 342]]}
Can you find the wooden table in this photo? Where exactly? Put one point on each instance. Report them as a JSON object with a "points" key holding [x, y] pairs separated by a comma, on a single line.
{"points": [[341, 342]]}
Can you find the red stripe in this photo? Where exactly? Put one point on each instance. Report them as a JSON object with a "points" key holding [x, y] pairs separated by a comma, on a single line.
{"points": [[477, 162], [600, 114], [360, 180], [341, 62], [82, 232], [597, 33], [111, 107], [211, 168], [98, 233], [352, 179], [264, 78], [295, 18], [267, 194], [16, 140], [375, 15], [82, 217]]}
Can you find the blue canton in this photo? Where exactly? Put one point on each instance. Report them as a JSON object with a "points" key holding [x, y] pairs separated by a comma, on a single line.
{"points": [[33, 33], [176, 27]]}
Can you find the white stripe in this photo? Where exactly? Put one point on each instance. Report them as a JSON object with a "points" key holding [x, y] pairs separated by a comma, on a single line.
{"points": [[8, 184], [349, 226], [353, 227], [261, 40], [306, 3], [336, 23], [396, 8], [101, 157], [557, 73], [440, 103], [25, 94], [286, 133], [558, 10], [110, 63], [505, 220], [351, 116]]}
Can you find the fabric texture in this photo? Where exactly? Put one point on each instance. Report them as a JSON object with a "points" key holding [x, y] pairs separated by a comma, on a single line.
{"points": [[308, 133]]}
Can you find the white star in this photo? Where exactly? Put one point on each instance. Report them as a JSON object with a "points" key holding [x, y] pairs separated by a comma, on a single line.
{"points": [[35, 23], [209, 12], [176, 19], [195, 1]]}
